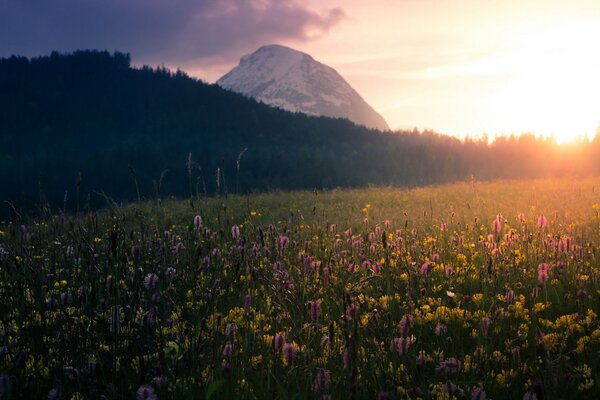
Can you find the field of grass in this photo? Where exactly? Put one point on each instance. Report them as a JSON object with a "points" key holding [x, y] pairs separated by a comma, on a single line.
{"points": [[466, 291]]}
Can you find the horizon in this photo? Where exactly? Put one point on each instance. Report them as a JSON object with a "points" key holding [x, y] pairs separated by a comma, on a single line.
{"points": [[468, 70]]}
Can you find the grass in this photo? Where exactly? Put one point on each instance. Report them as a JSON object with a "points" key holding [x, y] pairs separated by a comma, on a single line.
{"points": [[374, 293]]}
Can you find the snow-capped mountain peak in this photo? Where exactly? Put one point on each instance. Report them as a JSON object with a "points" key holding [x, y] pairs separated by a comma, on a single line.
{"points": [[292, 80]]}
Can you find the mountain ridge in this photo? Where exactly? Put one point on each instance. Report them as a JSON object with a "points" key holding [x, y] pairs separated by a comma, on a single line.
{"points": [[294, 81]]}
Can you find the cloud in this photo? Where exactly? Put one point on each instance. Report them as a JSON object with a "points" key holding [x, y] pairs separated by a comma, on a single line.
{"points": [[158, 31]]}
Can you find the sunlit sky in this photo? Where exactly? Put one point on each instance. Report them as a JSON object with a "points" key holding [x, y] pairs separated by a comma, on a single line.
{"points": [[460, 67], [468, 67]]}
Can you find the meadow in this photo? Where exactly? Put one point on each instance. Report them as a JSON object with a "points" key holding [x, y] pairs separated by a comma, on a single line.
{"points": [[464, 291]]}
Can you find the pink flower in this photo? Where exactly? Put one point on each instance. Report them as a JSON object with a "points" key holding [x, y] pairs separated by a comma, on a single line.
{"points": [[198, 222], [543, 273], [497, 224], [322, 380], [405, 324], [289, 352], [247, 302], [401, 344], [279, 342], [315, 309], [426, 268], [542, 222]]}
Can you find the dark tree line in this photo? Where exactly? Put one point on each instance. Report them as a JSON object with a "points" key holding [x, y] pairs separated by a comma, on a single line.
{"points": [[130, 132]]}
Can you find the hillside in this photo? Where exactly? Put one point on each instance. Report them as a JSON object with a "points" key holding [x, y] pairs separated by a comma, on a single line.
{"points": [[129, 132]]}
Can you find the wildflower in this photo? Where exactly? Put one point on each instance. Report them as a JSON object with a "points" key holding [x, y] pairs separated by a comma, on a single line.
{"points": [[235, 231], [543, 273], [352, 310], [282, 241], [401, 344], [228, 350], [450, 387], [225, 366], [405, 324], [478, 394], [315, 309], [247, 302], [198, 222], [279, 342], [150, 281], [376, 268], [497, 224], [322, 380], [146, 392], [289, 351], [485, 323], [347, 356], [529, 396], [230, 330], [542, 222], [510, 296], [426, 268], [440, 329], [449, 365]]}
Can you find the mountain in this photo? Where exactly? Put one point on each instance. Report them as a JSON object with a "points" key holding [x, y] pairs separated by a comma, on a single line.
{"points": [[292, 80]]}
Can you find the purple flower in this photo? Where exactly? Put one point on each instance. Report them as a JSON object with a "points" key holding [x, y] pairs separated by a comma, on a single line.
{"points": [[477, 394], [146, 392], [235, 231], [228, 350], [198, 222], [322, 380], [426, 268], [290, 352], [282, 241], [405, 324], [247, 302], [279, 342], [315, 309], [150, 281], [401, 345], [529, 396]]}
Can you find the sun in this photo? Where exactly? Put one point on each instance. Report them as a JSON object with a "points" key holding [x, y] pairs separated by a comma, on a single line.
{"points": [[554, 82]]}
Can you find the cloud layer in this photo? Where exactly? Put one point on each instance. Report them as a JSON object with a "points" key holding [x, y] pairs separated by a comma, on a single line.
{"points": [[158, 31]]}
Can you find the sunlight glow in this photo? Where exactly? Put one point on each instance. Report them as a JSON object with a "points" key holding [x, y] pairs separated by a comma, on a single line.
{"points": [[554, 83]]}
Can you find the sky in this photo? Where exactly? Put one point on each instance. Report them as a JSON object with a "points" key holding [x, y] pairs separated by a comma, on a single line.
{"points": [[459, 67]]}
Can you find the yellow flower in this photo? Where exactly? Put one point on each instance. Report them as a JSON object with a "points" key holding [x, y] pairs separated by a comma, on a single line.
{"points": [[253, 213]]}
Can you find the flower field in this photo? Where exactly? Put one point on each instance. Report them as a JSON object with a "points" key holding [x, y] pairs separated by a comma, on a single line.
{"points": [[464, 291]]}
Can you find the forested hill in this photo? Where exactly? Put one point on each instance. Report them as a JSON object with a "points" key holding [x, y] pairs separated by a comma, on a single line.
{"points": [[126, 130]]}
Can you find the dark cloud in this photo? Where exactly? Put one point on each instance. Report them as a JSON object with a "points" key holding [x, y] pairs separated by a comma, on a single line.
{"points": [[157, 31]]}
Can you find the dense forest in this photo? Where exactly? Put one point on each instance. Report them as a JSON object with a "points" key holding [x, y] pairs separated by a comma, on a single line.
{"points": [[75, 127]]}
